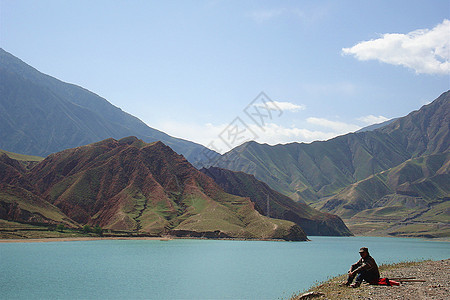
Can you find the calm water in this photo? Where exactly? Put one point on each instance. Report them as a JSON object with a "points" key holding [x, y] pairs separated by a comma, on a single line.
{"points": [[189, 269]]}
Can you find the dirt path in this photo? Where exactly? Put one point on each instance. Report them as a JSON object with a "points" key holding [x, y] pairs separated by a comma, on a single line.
{"points": [[436, 286]]}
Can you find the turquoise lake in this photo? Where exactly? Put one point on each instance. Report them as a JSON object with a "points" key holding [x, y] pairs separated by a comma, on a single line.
{"points": [[190, 269]]}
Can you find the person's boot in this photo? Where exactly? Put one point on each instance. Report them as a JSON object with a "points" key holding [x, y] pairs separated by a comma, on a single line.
{"points": [[356, 284]]}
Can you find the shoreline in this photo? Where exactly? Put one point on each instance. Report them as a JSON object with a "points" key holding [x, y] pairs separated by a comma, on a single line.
{"points": [[163, 238], [78, 239], [169, 238]]}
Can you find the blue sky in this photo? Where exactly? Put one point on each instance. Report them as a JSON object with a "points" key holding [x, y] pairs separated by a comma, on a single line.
{"points": [[190, 68]]}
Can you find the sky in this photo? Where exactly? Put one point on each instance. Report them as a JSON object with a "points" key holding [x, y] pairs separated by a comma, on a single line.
{"points": [[220, 73]]}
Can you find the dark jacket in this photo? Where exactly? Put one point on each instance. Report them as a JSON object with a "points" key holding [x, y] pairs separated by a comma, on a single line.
{"points": [[368, 264]]}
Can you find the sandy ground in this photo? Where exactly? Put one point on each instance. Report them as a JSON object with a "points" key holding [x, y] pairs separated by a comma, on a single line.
{"points": [[80, 239]]}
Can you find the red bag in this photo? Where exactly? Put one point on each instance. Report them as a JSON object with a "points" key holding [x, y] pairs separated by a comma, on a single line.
{"points": [[386, 281]]}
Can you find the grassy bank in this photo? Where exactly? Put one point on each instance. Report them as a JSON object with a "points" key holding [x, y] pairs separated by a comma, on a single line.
{"points": [[15, 230]]}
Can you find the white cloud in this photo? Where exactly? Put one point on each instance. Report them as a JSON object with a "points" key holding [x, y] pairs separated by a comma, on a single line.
{"points": [[424, 50], [336, 126], [283, 106], [277, 134], [371, 119], [214, 136]]}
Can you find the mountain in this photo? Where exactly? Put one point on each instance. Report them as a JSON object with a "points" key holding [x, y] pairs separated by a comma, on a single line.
{"points": [[17, 203], [129, 185], [321, 169], [40, 115], [411, 197], [274, 204], [426, 178], [425, 131]]}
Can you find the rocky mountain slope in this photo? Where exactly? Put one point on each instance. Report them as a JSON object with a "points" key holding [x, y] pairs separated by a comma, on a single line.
{"points": [[40, 115], [274, 204], [133, 186]]}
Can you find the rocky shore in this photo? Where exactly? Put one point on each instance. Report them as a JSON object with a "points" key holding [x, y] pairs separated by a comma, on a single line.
{"points": [[432, 278]]}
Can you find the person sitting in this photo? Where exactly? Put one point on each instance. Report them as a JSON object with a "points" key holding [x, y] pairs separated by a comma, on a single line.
{"points": [[364, 269]]}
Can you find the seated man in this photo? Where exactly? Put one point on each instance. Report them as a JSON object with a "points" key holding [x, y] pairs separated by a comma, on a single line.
{"points": [[364, 269]]}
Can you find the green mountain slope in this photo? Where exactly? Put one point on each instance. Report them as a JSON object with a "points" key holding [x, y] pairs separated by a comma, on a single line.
{"points": [[132, 186], [410, 199], [40, 115], [312, 171], [276, 205]]}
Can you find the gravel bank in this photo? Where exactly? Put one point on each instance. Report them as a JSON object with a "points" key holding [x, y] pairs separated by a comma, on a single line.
{"points": [[436, 276]]}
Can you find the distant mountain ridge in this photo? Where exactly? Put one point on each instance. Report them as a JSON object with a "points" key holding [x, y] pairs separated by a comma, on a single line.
{"points": [[40, 115], [129, 185], [312, 171]]}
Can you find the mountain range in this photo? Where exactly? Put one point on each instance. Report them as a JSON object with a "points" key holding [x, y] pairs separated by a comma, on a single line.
{"points": [[324, 173], [131, 186], [41, 115], [312, 171]]}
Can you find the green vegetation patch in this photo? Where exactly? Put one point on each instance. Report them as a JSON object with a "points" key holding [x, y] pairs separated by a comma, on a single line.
{"points": [[15, 230], [195, 204], [22, 157], [438, 213], [428, 230], [390, 213]]}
